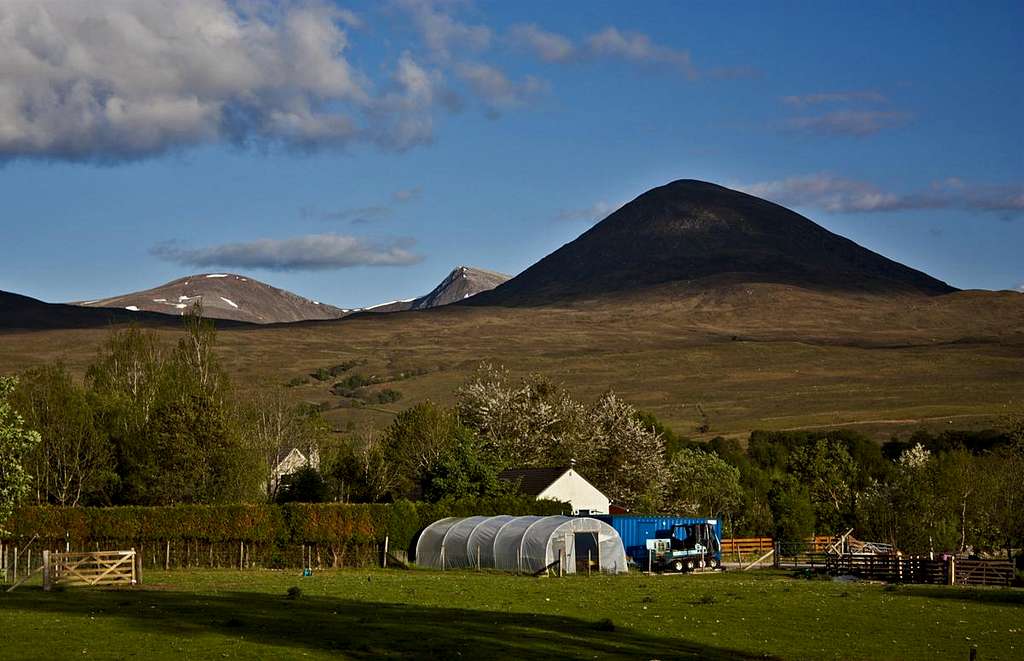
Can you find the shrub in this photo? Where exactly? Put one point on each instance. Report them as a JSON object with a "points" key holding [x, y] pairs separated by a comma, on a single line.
{"points": [[385, 396]]}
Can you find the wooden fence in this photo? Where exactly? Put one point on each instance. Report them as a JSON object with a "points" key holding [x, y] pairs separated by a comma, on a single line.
{"points": [[983, 572], [91, 568], [16, 561], [747, 546], [919, 569]]}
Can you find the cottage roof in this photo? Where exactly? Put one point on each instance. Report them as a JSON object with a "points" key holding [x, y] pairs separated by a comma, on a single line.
{"points": [[533, 481]]}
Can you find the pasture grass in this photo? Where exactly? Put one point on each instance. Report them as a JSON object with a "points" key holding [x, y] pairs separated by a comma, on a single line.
{"points": [[207, 614]]}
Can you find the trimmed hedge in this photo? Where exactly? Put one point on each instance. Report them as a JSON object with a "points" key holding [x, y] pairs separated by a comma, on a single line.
{"points": [[298, 523]]}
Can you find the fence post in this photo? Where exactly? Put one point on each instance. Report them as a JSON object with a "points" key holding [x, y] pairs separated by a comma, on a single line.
{"points": [[588, 562], [46, 571], [478, 557], [384, 564], [951, 571], [167, 556], [137, 565], [777, 555]]}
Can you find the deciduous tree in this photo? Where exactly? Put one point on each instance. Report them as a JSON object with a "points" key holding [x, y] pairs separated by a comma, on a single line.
{"points": [[16, 442]]}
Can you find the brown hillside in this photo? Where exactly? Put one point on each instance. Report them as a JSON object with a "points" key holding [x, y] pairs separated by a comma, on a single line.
{"points": [[751, 355]]}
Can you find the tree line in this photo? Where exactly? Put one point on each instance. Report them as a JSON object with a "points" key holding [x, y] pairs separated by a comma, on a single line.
{"points": [[152, 423], [156, 423]]}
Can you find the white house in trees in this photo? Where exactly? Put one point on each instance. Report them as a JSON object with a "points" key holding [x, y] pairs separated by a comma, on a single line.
{"points": [[286, 461], [563, 484]]}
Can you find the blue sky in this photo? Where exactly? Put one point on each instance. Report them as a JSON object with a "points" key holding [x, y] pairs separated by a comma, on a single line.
{"points": [[355, 153]]}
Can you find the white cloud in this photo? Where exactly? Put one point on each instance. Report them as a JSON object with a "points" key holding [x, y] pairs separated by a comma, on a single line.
{"points": [[548, 46], [124, 79], [848, 122], [841, 195], [128, 79], [817, 98], [495, 89], [407, 194], [441, 32], [611, 43], [367, 214], [638, 47], [314, 252]]}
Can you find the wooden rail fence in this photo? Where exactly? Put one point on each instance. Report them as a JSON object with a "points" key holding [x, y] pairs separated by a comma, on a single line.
{"points": [[983, 572], [91, 568], [919, 569], [745, 546]]}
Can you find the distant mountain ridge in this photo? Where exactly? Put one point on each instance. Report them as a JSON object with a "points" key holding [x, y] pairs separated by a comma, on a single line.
{"points": [[223, 296], [462, 283], [688, 230]]}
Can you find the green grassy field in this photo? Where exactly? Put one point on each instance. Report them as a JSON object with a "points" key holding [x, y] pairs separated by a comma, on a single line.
{"points": [[422, 614]]}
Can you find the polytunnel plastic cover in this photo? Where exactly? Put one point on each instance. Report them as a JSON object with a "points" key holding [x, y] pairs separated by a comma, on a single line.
{"points": [[525, 544]]}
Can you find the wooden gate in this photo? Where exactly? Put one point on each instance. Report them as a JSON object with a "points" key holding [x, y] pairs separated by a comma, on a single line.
{"points": [[984, 572], [90, 568]]}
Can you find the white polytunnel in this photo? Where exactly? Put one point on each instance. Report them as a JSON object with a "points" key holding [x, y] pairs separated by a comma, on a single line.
{"points": [[522, 544]]}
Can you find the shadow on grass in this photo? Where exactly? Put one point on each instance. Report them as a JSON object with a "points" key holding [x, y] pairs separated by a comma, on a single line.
{"points": [[363, 629], [993, 595]]}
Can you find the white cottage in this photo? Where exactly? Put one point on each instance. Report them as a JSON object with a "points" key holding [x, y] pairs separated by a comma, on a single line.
{"points": [[563, 484], [286, 461]]}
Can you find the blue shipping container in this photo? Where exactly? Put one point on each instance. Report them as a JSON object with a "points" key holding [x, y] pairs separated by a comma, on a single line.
{"points": [[636, 529]]}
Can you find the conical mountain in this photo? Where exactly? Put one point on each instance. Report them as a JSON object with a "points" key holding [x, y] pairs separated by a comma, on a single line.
{"points": [[690, 230]]}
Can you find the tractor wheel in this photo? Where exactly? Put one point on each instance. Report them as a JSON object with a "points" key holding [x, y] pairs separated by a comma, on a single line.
{"points": [[690, 565], [713, 563], [677, 566]]}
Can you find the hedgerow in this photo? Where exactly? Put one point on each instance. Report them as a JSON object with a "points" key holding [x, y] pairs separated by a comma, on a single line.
{"points": [[294, 523]]}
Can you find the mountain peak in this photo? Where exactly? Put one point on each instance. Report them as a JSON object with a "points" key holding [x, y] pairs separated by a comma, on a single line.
{"points": [[223, 296], [462, 283], [689, 230]]}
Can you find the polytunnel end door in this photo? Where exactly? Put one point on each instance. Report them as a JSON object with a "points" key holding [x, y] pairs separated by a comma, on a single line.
{"points": [[587, 551]]}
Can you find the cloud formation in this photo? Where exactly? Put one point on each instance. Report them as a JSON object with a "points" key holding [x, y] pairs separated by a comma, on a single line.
{"points": [[871, 96], [495, 90], [848, 122], [130, 79], [638, 47], [841, 195], [312, 252], [367, 214], [442, 33], [548, 46], [123, 79], [611, 42], [407, 194]]}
